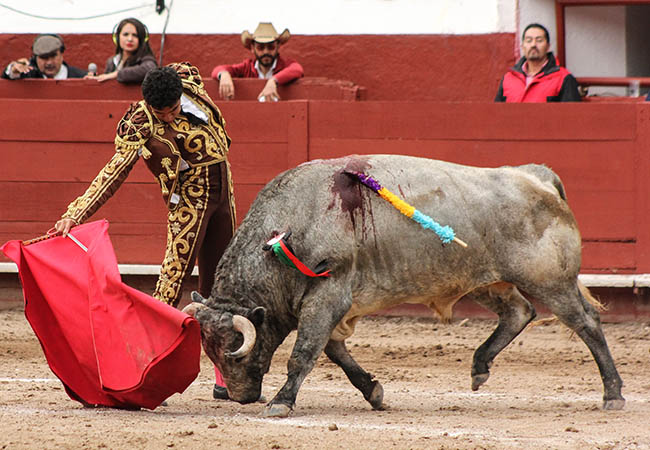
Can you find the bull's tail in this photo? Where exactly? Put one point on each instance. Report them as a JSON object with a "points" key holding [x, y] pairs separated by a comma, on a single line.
{"points": [[593, 301]]}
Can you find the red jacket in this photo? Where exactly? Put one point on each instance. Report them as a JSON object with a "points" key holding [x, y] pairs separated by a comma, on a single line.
{"points": [[552, 84], [286, 70]]}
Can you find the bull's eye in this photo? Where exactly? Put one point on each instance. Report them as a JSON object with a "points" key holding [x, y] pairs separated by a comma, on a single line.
{"points": [[236, 343], [233, 346]]}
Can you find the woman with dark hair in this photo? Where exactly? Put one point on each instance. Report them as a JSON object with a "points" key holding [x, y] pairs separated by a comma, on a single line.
{"points": [[133, 57]]}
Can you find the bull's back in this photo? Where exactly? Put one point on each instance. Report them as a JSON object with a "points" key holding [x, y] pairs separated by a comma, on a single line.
{"points": [[507, 216]]}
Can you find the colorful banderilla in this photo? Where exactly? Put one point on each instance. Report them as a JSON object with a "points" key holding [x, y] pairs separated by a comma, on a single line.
{"points": [[446, 233]]}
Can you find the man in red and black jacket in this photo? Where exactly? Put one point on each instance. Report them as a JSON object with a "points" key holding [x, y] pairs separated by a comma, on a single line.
{"points": [[537, 77]]}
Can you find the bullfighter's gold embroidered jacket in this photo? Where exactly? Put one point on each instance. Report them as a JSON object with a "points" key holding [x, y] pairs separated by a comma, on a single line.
{"points": [[164, 146]]}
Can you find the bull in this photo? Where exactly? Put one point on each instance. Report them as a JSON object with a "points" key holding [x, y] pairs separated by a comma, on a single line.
{"points": [[522, 239]]}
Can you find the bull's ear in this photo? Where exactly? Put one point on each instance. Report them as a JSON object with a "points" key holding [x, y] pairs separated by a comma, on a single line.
{"points": [[196, 297], [193, 307], [256, 315]]}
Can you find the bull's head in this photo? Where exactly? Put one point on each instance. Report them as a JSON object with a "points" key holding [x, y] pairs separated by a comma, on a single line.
{"points": [[229, 336]]}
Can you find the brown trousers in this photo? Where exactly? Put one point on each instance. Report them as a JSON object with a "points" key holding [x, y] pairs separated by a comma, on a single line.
{"points": [[201, 226]]}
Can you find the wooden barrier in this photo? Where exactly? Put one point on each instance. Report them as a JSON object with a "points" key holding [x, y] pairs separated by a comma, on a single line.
{"points": [[313, 88], [53, 148]]}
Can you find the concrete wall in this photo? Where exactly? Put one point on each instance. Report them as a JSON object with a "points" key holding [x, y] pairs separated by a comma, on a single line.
{"points": [[390, 67], [595, 44], [301, 17], [447, 50], [601, 40], [637, 35]]}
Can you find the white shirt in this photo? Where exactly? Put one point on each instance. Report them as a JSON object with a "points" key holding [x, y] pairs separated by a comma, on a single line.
{"points": [[117, 60], [62, 74], [189, 106], [268, 75]]}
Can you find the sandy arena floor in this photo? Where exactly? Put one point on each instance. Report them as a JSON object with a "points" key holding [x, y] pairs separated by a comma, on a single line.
{"points": [[545, 392]]}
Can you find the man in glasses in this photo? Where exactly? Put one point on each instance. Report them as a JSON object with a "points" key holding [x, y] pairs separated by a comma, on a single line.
{"points": [[537, 77], [266, 63]]}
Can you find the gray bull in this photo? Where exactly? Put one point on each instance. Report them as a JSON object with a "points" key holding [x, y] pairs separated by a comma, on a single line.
{"points": [[521, 236]]}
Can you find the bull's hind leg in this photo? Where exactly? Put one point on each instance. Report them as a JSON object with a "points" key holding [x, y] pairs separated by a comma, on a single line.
{"points": [[571, 307], [362, 380], [514, 312]]}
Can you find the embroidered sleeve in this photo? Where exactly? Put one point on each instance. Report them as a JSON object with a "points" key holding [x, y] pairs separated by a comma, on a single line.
{"points": [[190, 77], [132, 133], [134, 129]]}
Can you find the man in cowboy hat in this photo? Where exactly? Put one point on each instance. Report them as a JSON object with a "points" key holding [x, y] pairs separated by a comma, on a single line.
{"points": [[46, 61], [266, 63]]}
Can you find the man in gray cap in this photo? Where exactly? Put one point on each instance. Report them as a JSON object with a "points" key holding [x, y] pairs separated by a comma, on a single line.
{"points": [[46, 61]]}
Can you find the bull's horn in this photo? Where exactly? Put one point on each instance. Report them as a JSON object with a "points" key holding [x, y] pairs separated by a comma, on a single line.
{"points": [[193, 307], [247, 329]]}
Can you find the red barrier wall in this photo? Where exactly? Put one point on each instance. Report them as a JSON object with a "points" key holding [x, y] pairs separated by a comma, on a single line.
{"points": [[52, 148], [314, 88], [390, 67]]}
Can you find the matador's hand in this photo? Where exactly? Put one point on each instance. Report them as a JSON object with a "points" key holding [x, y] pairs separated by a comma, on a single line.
{"points": [[63, 226]]}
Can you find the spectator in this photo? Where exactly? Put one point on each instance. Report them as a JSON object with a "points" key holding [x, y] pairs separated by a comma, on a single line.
{"points": [[537, 77], [46, 61], [181, 135], [133, 56], [266, 63]]}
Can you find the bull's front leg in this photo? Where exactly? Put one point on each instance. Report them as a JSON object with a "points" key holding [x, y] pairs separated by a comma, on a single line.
{"points": [[316, 322]]}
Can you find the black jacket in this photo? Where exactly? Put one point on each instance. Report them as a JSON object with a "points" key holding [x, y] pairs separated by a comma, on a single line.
{"points": [[73, 72]]}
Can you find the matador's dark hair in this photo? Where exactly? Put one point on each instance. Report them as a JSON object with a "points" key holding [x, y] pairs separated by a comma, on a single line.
{"points": [[162, 87]]}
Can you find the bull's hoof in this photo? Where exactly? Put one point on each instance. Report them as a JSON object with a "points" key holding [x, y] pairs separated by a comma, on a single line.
{"points": [[614, 405], [376, 398], [277, 410], [479, 379]]}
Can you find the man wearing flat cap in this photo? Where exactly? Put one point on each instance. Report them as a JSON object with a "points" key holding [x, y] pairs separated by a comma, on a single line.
{"points": [[266, 63], [46, 61]]}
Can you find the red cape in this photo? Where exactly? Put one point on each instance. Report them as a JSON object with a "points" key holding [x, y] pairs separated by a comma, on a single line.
{"points": [[109, 344]]}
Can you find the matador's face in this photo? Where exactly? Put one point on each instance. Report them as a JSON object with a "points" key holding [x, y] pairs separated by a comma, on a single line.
{"points": [[169, 113]]}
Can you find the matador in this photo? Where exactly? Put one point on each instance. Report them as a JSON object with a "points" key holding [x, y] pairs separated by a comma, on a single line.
{"points": [[180, 133]]}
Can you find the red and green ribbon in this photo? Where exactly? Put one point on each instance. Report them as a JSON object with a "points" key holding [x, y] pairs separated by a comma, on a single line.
{"points": [[285, 255]]}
